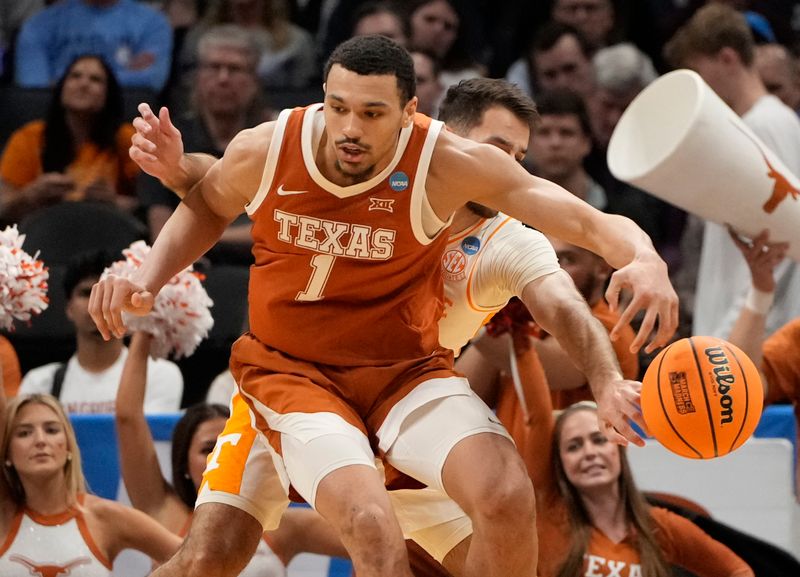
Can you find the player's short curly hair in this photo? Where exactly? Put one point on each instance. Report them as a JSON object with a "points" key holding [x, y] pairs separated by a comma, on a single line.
{"points": [[375, 56]]}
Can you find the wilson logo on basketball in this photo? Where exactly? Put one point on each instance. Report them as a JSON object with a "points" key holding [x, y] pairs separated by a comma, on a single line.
{"points": [[724, 380]]}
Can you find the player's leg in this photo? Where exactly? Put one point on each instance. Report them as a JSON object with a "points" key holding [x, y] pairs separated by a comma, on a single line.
{"points": [[222, 539], [335, 472], [241, 495], [457, 445], [500, 503]]}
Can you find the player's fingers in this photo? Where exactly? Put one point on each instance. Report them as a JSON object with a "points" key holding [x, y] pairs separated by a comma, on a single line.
{"points": [[116, 305], [96, 310], [667, 325], [140, 157], [624, 429], [613, 290], [143, 143], [147, 115], [142, 301], [167, 127], [141, 125]]}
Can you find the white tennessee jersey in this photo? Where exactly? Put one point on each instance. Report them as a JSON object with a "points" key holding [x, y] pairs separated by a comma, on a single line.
{"points": [[54, 545], [483, 267]]}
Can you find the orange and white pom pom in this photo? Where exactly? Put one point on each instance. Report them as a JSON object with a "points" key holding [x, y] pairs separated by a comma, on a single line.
{"points": [[180, 318], [23, 280]]}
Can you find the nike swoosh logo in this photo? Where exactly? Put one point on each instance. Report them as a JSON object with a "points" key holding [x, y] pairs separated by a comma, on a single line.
{"points": [[282, 192]]}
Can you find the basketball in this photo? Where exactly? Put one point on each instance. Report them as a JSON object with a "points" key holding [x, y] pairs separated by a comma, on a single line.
{"points": [[702, 397]]}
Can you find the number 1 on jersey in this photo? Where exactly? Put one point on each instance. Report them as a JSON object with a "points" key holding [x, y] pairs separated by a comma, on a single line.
{"points": [[322, 265]]}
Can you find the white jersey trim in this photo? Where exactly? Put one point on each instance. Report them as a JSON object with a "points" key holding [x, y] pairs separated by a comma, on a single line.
{"points": [[307, 145], [272, 162], [421, 211]]}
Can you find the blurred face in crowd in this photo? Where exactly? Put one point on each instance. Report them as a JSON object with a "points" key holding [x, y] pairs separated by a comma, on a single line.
{"points": [[434, 27], [564, 66], [780, 74], [38, 446], [429, 89], [85, 87], [718, 71], [593, 18], [383, 24], [226, 81], [590, 460], [606, 109], [78, 308], [559, 146], [588, 271], [203, 441], [246, 13]]}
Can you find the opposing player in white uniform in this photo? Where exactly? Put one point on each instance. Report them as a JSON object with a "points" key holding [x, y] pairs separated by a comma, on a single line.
{"points": [[489, 258]]}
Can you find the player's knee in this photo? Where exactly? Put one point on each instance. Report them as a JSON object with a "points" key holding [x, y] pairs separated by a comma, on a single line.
{"points": [[368, 522], [220, 555], [506, 499]]}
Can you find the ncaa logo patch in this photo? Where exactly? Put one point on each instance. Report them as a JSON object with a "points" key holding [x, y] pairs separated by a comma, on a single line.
{"points": [[454, 265], [471, 244], [398, 182]]}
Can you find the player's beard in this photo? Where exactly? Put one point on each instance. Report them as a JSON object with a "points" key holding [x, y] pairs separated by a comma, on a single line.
{"points": [[480, 210], [356, 177]]}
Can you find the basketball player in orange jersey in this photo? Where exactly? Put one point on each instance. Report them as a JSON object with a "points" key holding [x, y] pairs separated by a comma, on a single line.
{"points": [[489, 258], [348, 204]]}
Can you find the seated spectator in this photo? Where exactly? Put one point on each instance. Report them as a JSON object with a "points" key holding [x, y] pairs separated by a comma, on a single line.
{"points": [[621, 72], [561, 142], [88, 382], [383, 18], [559, 58], [78, 152], [781, 76], [226, 99], [437, 28], [593, 18], [48, 523], [429, 85], [133, 38], [287, 57]]}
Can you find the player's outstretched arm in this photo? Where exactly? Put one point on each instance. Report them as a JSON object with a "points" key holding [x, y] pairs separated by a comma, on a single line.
{"points": [[157, 147], [193, 228], [559, 309], [463, 170]]}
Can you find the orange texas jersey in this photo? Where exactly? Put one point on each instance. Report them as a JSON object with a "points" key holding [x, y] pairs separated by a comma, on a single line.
{"points": [[345, 275]]}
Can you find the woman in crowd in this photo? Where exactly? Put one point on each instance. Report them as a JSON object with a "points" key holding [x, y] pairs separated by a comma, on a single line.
{"points": [[78, 152], [49, 525], [193, 440], [591, 517]]}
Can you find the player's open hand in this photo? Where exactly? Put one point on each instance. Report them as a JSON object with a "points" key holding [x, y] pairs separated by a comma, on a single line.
{"points": [[647, 279], [113, 295], [157, 145], [617, 405]]}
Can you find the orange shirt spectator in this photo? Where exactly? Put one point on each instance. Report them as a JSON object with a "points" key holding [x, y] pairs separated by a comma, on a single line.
{"points": [[19, 167], [9, 365]]}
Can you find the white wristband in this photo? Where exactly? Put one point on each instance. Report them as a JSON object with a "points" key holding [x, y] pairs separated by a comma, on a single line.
{"points": [[759, 301]]}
